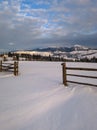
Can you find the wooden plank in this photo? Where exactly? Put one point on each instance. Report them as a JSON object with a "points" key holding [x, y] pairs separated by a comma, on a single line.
{"points": [[15, 68], [94, 77], [64, 74], [1, 66], [82, 83], [87, 69]]}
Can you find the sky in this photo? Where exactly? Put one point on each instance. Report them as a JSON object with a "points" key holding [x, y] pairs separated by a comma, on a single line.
{"points": [[28, 24]]}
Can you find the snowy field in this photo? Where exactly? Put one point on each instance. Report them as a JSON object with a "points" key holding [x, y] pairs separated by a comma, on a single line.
{"points": [[37, 99]]}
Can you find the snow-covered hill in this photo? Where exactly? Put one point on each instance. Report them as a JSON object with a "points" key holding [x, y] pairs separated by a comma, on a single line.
{"points": [[37, 99], [89, 53], [34, 53], [79, 48], [76, 52]]}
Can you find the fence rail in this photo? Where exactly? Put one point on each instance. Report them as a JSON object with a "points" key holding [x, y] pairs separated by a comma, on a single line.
{"points": [[86, 69], [9, 67], [65, 74]]}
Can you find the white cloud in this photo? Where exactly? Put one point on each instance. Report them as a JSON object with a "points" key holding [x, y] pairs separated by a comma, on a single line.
{"points": [[11, 44], [27, 26]]}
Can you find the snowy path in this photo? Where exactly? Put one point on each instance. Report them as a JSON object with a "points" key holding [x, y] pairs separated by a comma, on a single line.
{"points": [[37, 100]]}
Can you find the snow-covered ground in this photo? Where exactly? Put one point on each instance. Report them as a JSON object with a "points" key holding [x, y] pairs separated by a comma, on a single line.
{"points": [[37, 99]]}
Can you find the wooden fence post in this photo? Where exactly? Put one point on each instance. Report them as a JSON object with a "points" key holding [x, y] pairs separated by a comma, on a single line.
{"points": [[64, 74], [15, 68], [1, 66]]}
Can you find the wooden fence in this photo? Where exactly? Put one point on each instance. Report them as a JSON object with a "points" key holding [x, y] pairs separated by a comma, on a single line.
{"points": [[9, 67], [65, 74]]}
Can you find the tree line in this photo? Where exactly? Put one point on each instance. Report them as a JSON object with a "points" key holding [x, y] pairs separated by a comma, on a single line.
{"points": [[37, 57]]}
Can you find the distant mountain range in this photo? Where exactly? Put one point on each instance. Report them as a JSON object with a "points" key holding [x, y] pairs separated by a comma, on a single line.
{"points": [[76, 52], [62, 49]]}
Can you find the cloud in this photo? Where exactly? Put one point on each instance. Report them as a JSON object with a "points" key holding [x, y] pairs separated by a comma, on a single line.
{"points": [[25, 24], [11, 44]]}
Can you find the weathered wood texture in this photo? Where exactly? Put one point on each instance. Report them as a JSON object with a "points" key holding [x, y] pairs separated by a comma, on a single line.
{"points": [[10, 67], [0, 66], [65, 74]]}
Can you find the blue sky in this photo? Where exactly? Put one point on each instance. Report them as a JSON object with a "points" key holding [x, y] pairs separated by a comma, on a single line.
{"points": [[26, 24]]}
